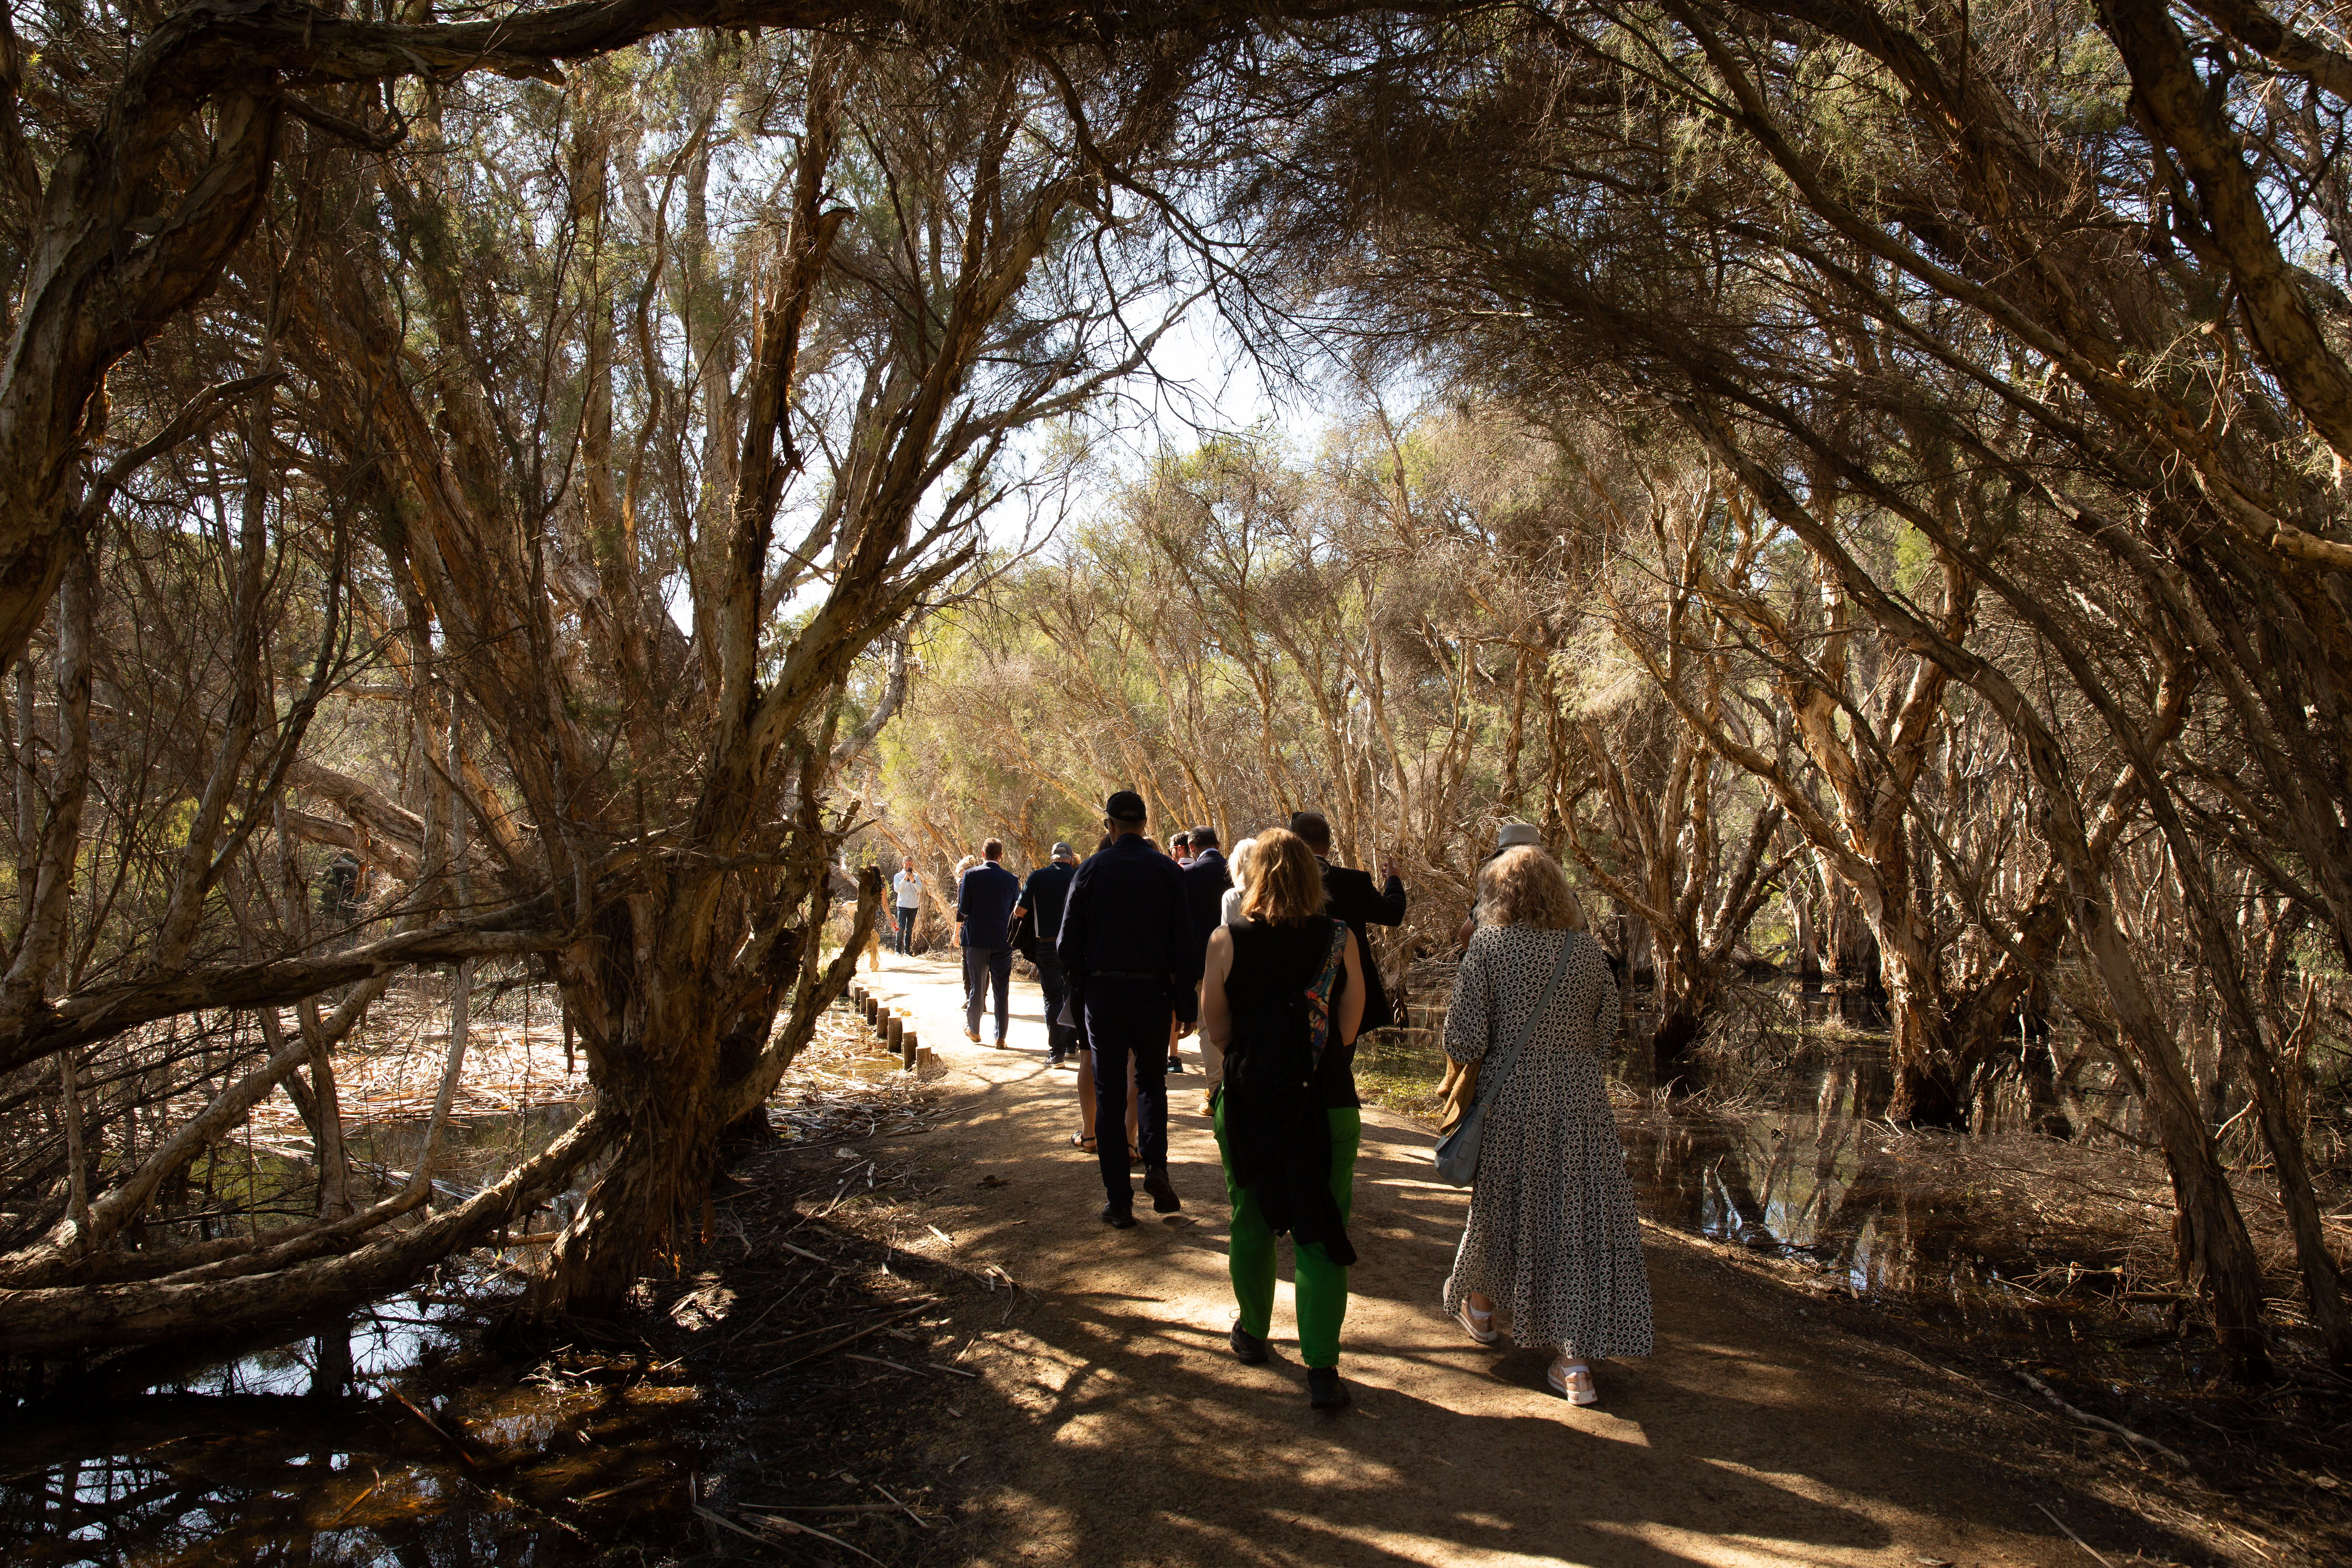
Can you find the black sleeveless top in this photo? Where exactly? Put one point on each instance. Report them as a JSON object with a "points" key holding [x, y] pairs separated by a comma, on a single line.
{"points": [[1272, 965]]}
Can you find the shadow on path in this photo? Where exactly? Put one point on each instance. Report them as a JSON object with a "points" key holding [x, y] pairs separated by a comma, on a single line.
{"points": [[1114, 1426]]}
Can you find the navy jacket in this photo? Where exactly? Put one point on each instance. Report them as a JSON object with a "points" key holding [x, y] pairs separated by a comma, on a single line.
{"points": [[1044, 894], [1349, 895], [984, 901], [1206, 881], [1127, 914]]}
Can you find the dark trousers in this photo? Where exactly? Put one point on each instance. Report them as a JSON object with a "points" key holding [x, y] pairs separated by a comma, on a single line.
{"points": [[983, 968], [1127, 1020], [1060, 1039], [907, 913]]}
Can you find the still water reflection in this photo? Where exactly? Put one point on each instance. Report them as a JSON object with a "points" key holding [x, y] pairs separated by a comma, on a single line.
{"points": [[389, 1437], [1796, 1160]]}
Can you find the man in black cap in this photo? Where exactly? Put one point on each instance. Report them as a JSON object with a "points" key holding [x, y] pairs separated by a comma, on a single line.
{"points": [[984, 901], [1042, 897], [1350, 896], [1127, 944]]}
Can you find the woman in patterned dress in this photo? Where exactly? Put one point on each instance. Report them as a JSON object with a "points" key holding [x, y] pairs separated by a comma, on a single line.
{"points": [[1551, 1240]]}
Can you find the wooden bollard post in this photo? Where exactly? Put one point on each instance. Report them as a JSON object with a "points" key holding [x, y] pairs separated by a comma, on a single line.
{"points": [[908, 1050], [892, 1029]]}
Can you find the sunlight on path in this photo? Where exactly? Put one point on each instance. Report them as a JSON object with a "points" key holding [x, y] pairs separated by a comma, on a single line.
{"points": [[1121, 1431]]}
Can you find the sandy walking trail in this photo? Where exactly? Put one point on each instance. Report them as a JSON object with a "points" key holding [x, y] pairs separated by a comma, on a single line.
{"points": [[1113, 1426]]}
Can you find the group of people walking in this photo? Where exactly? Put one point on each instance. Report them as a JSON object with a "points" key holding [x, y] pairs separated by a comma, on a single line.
{"points": [[1267, 956]]}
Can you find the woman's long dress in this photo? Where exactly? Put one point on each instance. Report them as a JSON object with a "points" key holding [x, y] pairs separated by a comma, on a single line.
{"points": [[1551, 1239]]}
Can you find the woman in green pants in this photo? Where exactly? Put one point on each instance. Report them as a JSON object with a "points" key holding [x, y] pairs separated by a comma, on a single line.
{"points": [[1281, 996]]}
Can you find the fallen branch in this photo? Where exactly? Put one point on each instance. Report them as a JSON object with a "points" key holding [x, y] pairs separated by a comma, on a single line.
{"points": [[852, 1338], [84, 1018], [448, 1442], [42, 1320], [2074, 1537], [920, 1522], [2088, 1419], [790, 1527]]}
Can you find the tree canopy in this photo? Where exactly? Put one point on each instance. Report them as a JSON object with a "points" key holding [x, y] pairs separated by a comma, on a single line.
{"points": [[1880, 462]]}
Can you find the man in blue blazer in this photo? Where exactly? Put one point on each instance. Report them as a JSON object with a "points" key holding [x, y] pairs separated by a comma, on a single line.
{"points": [[984, 902]]}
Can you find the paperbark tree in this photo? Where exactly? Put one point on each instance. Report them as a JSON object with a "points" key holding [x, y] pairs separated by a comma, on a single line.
{"points": [[516, 490], [1849, 294], [901, 344]]}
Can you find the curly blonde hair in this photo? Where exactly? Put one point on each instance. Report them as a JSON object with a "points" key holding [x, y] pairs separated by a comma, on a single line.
{"points": [[1525, 886]]}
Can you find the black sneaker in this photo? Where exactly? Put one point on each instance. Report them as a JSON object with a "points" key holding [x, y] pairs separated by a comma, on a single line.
{"points": [[1324, 1389], [1118, 1217], [1248, 1349], [1163, 1191]]}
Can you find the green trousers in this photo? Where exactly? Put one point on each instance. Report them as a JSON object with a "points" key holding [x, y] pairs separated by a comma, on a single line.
{"points": [[1321, 1285]]}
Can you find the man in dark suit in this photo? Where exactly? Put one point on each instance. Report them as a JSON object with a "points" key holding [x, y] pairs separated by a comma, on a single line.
{"points": [[1349, 895], [1042, 897], [984, 901], [1127, 944], [1206, 881]]}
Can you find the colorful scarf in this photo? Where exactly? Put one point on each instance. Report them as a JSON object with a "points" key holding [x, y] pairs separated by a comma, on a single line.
{"points": [[1318, 997]]}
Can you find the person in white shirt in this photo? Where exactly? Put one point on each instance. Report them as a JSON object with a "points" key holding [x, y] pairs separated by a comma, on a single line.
{"points": [[908, 887]]}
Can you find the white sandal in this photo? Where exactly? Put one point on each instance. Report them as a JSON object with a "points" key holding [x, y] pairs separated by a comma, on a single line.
{"points": [[1573, 1384], [1477, 1324]]}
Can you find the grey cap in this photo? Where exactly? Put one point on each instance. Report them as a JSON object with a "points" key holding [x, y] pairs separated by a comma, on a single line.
{"points": [[1511, 835], [1063, 852]]}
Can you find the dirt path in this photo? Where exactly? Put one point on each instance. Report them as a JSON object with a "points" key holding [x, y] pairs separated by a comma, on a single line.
{"points": [[1113, 1426]]}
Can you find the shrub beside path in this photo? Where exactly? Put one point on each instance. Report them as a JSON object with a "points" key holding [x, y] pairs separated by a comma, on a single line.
{"points": [[1111, 1425]]}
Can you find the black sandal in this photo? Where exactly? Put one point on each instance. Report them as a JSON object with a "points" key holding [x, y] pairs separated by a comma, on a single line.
{"points": [[1082, 1144]]}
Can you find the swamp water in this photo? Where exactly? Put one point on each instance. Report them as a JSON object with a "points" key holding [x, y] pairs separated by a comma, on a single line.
{"points": [[2029, 1250], [338, 1448], [398, 1436], [341, 1444]]}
